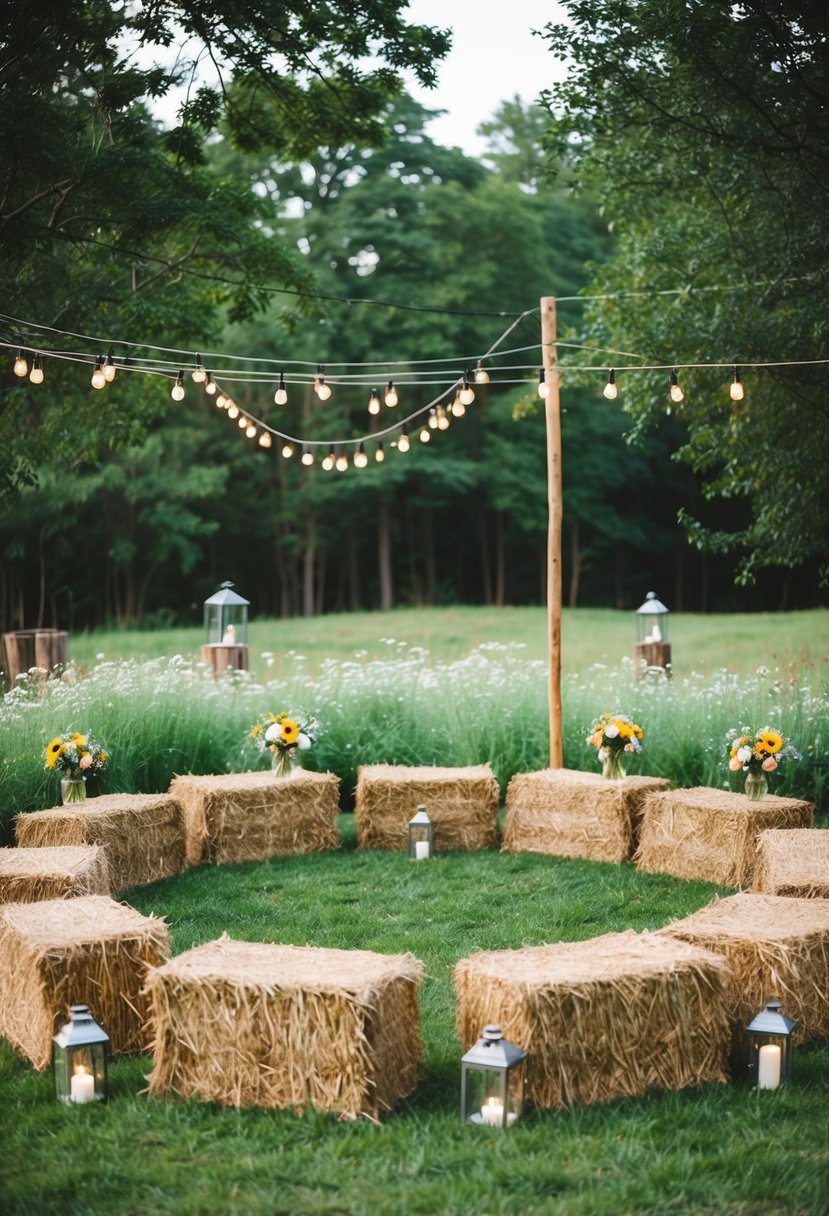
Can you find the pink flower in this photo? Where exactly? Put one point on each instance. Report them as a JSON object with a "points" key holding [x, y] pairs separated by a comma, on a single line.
{"points": [[85, 761], [734, 764], [769, 764]]}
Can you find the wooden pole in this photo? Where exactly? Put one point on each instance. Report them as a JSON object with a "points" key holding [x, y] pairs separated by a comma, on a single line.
{"points": [[552, 413]]}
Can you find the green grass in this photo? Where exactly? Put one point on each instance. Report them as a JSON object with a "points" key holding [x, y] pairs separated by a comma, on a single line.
{"points": [[718, 1149]]}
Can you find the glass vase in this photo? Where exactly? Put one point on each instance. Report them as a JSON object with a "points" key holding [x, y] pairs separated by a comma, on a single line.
{"points": [[612, 767], [283, 763], [757, 785], [72, 789]]}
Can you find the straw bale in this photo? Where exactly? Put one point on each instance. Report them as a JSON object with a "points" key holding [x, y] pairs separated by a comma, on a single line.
{"points": [[709, 833], [85, 951], [27, 875], [569, 813], [793, 862], [602, 1019], [251, 816], [775, 946], [143, 834], [252, 1024], [461, 802]]}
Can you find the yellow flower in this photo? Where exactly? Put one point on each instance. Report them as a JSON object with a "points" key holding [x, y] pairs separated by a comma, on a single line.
{"points": [[53, 752], [768, 742], [79, 740], [738, 743], [290, 731], [256, 730]]}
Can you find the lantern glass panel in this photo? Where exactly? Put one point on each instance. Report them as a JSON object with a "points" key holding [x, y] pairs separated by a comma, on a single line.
{"points": [[226, 618], [770, 1051], [79, 1061], [652, 620], [494, 1097], [421, 835]]}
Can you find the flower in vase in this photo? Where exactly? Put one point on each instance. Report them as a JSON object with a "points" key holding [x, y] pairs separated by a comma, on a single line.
{"points": [[75, 755], [759, 751], [283, 733]]}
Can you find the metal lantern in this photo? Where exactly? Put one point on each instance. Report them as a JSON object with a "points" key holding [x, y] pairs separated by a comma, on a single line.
{"points": [[652, 620], [770, 1048], [492, 1081], [226, 618], [80, 1051], [421, 836]]}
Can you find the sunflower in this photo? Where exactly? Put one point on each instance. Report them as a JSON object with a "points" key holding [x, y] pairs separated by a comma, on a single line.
{"points": [[54, 752], [290, 731], [768, 742]]}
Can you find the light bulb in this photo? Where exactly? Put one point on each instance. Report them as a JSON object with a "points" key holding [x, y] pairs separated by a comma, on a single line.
{"points": [[458, 408], [21, 366], [36, 374], [281, 395], [265, 440], [481, 375], [443, 418], [433, 419], [328, 460], [177, 391], [425, 435], [210, 386], [243, 423], [467, 394], [360, 458], [322, 390], [98, 377], [221, 401], [374, 402], [341, 462], [676, 392], [543, 386], [198, 373], [403, 441], [736, 389], [307, 456], [109, 368], [250, 430], [379, 454], [610, 390], [232, 410], [390, 396], [287, 449]]}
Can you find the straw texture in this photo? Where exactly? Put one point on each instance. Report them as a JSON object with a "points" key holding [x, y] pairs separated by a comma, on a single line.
{"points": [[775, 947], [603, 1018], [27, 875], [251, 1024], [569, 813], [85, 951], [461, 802], [711, 834], [250, 816], [143, 834], [793, 862]]}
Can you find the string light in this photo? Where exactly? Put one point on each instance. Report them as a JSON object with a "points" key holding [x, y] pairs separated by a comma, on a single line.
{"points": [[177, 392], [199, 374], [265, 440], [610, 390], [232, 410], [21, 367], [221, 401], [243, 423], [250, 430], [322, 389], [374, 402], [210, 385], [360, 458], [287, 449], [736, 389], [341, 462], [457, 407], [391, 398], [481, 374], [36, 374], [443, 418], [281, 394], [425, 435], [379, 454], [676, 392], [467, 394], [328, 460], [307, 456], [543, 386], [98, 377], [109, 368], [403, 441]]}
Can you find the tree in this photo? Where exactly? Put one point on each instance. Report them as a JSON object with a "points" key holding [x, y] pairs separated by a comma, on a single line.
{"points": [[702, 127]]}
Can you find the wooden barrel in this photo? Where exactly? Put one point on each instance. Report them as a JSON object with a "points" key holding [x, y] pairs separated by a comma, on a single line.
{"points": [[23, 649]]}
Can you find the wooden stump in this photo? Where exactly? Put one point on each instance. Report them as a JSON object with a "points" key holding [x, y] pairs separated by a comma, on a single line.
{"points": [[651, 656], [219, 657], [26, 648]]}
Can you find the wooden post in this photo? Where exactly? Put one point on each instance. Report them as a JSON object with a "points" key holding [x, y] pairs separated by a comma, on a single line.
{"points": [[552, 414], [219, 657]]}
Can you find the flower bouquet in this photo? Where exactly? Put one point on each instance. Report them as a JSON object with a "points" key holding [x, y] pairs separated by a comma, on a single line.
{"points": [[613, 735], [75, 756], [283, 736], [757, 753]]}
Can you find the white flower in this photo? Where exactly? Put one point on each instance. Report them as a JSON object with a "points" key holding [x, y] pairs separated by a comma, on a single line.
{"points": [[303, 742], [744, 754], [612, 731], [273, 733]]}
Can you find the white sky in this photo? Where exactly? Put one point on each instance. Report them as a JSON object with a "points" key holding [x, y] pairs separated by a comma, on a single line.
{"points": [[494, 56]]}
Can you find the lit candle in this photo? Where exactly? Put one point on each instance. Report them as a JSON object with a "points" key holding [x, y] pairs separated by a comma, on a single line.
{"points": [[492, 1112], [768, 1072], [657, 633], [421, 849], [82, 1086]]}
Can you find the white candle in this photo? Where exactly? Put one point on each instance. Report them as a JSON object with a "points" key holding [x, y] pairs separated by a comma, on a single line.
{"points": [[421, 849], [657, 633], [492, 1112], [82, 1087], [768, 1072]]}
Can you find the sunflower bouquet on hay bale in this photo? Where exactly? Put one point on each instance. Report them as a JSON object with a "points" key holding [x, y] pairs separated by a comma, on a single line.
{"points": [[613, 735], [75, 757], [758, 753], [284, 736]]}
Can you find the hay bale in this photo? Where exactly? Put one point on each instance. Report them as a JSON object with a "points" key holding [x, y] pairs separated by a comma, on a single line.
{"points": [[709, 833], [251, 816], [461, 802], [143, 834], [28, 875], [775, 946], [569, 813], [793, 862], [604, 1018], [251, 1024], [85, 951]]}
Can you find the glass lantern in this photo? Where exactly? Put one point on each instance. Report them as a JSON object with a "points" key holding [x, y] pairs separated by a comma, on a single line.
{"points": [[421, 836], [492, 1081], [80, 1052], [652, 620], [226, 618], [770, 1048]]}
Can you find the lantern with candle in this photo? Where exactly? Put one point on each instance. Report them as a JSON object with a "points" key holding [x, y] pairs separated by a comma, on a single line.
{"points": [[421, 836], [226, 630], [651, 649], [492, 1081], [80, 1052], [769, 1037]]}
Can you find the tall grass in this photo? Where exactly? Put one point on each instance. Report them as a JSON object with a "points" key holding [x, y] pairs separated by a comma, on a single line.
{"points": [[160, 717]]}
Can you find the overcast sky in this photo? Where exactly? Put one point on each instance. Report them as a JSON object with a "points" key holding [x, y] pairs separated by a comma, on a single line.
{"points": [[494, 56]]}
